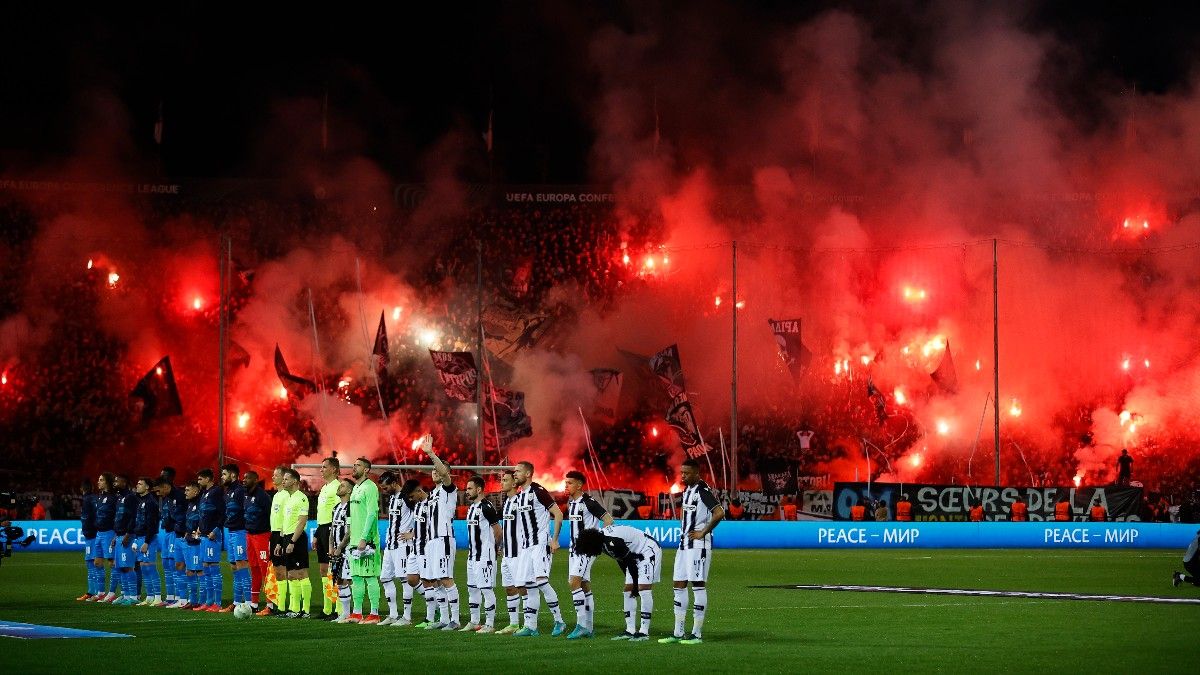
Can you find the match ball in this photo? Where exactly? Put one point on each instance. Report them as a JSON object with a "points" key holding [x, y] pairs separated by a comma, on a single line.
{"points": [[242, 611]]}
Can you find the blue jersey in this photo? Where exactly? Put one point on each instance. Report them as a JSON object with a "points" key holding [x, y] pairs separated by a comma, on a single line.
{"points": [[145, 522], [192, 519], [235, 496], [212, 510], [166, 523], [87, 516], [126, 510], [179, 511], [257, 510], [106, 510]]}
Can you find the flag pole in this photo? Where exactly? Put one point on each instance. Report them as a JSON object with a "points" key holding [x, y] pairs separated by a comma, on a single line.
{"points": [[733, 428], [224, 262], [996, 352], [479, 347]]}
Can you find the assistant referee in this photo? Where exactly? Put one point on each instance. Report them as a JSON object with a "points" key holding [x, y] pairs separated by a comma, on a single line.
{"points": [[326, 499]]}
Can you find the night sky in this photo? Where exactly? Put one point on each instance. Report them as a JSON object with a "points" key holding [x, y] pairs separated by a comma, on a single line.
{"points": [[232, 79]]}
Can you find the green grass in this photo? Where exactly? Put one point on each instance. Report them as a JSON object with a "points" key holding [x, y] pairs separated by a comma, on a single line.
{"points": [[749, 629]]}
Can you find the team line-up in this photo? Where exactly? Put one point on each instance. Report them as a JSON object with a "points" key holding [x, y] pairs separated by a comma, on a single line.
{"points": [[266, 544]]}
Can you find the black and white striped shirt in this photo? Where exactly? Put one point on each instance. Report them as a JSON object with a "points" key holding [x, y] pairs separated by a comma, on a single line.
{"points": [[481, 541], [400, 521], [533, 516], [696, 508], [341, 523], [585, 513], [440, 515], [509, 529]]}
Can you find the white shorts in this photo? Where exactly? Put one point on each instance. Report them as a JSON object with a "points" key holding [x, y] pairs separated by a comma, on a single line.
{"points": [[580, 566], [508, 573], [691, 564], [649, 568], [481, 573], [533, 563], [439, 559], [399, 562], [345, 573]]}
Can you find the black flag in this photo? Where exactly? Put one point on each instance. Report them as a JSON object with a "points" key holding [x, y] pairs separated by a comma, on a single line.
{"points": [[945, 377], [779, 476], [160, 397], [666, 366], [608, 393], [457, 373], [795, 355], [877, 398], [296, 386], [237, 356], [380, 350], [682, 419], [505, 419]]}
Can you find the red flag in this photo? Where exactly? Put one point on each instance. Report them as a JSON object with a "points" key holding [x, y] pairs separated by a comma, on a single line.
{"points": [[945, 376]]}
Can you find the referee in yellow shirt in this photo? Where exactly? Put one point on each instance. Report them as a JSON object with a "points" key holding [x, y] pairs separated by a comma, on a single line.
{"points": [[326, 499], [293, 547], [276, 521]]}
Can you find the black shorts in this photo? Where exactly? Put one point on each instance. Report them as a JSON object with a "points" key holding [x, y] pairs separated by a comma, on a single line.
{"points": [[298, 558], [323, 543], [1193, 567], [281, 559]]}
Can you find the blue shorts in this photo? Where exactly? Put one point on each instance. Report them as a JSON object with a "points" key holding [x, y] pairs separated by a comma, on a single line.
{"points": [[212, 548], [194, 557], [104, 542], [125, 556], [235, 545], [164, 546], [89, 548], [151, 554]]}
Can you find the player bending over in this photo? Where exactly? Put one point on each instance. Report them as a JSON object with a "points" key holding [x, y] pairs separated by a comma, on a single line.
{"points": [[640, 557]]}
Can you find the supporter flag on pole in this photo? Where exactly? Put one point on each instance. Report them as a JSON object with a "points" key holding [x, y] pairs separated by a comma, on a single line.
{"points": [[237, 357], [380, 350], [666, 366], [608, 394], [795, 355], [297, 386], [876, 397], [457, 373], [779, 476], [156, 389], [505, 419], [944, 376], [682, 419]]}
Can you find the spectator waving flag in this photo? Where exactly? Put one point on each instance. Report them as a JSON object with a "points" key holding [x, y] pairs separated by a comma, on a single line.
{"points": [[156, 389], [297, 386], [505, 419], [795, 355]]}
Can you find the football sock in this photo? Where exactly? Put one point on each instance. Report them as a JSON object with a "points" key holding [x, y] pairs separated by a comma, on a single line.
{"points": [[389, 590], [579, 600], [473, 598], [514, 609], [552, 601], [358, 587], [681, 599], [647, 610], [489, 606], [699, 607], [533, 603], [630, 612], [373, 594], [452, 601]]}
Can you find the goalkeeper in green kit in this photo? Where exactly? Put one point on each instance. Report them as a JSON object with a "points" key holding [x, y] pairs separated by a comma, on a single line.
{"points": [[364, 555]]}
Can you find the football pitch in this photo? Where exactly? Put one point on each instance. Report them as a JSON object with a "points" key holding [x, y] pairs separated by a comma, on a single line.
{"points": [[750, 627]]}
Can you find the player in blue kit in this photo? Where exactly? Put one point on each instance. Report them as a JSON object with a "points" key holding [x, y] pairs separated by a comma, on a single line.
{"points": [[87, 526], [193, 554], [106, 512], [235, 534], [166, 537], [212, 514], [125, 558], [179, 517], [145, 542]]}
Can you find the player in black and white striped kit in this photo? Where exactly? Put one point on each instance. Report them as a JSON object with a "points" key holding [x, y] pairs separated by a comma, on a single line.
{"points": [[418, 500], [399, 553], [700, 514], [536, 546], [583, 513], [339, 539], [483, 532], [640, 558], [513, 589], [439, 544]]}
